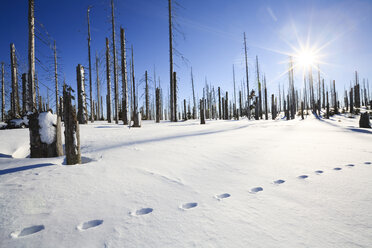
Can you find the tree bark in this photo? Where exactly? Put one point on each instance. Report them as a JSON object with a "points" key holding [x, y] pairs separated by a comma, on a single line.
{"points": [[31, 55], [116, 86], [72, 135], [82, 106], [124, 77], [90, 71], [108, 97]]}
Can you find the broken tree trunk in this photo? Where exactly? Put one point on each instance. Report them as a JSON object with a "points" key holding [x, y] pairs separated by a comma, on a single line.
{"points": [[124, 78], [108, 97], [45, 135], [364, 120], [72, 135], [202, 114], [158, 110], [82, 105]]}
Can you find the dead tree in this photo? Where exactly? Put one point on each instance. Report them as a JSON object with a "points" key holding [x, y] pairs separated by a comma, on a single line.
{"points": [[227, 106], [219, 103], [265, 92], [184, 110], [82, 105], [56, 76], [202, 113], [351, 101], [116, 86], [2, 92], [364, 120], [41, 128], [259, 89], [90, 70], [72, 134], [108, 97], [136, 121], [335, 98], [24, 93], [14, 99], [302, 110], [173, 117], [273, 110], [147, 100], [158, 109], [99, 101], [174, 96], [31, 55], [327, 114], [124, 77], [247, 79], [193, 97]]}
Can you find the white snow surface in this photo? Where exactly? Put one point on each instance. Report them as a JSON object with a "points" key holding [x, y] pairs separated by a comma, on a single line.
{"points": [[47, 122], [223, 184]]}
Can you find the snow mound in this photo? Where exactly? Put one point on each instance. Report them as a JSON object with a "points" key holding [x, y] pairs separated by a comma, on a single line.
{"points": [[47, 122]]}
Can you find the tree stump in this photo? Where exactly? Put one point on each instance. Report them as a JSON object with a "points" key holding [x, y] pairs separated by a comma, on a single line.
{"points": [[45, 135], [72, 135], [364, 121]]}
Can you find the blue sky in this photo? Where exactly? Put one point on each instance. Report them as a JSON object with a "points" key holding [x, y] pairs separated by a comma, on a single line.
{"points": [[211, 38]]}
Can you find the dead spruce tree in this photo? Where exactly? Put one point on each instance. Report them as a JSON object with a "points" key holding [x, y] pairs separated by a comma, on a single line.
{"points": [[90, 70], [45, 135], [116, 85], [202, 112], [15, 108], [124, 77], [108, 76], [31, 55], [56, 77], [82, 104], [136, 115], [24, 94], [2, 92], [72, 134], [158, 108], [99, 101], [247, 79]]}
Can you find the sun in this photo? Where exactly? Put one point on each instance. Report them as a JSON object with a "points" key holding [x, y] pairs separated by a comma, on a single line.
{"points": [[306, 58]]}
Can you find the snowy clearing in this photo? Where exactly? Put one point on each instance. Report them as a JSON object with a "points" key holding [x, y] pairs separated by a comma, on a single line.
{"points": [[223, 184]]}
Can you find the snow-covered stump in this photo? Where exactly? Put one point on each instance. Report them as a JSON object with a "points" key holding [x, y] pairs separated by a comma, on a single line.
{"points": [[72, 135], [45, 135], [364, 121]]}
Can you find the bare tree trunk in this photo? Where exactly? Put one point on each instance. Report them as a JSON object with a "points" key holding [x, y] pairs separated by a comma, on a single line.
{"points": [[72, 134], [174, 96], [124, 77], [202, 114], [90, 71], [116, 86], [351, 101], [219, 103], [247, 79], [158, 109], [31, 54], [99, 101], [82, 107], [172, 117], [147, 100], [327, 116], [56, 77], [2, 92], [135, 113], [108, 98], [14, 99], [24, 93], [266, 111], [193, 97], [259, 89]]}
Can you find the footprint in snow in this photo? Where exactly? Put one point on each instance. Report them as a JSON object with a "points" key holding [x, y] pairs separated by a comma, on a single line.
{"points": [[350, 165], [280, 181], [222, 196], [303, 177], [319, 172], [189, 205], [367, 162], [256, 190], [142, 211], [27, 231], [337, 168], [89, 224]]}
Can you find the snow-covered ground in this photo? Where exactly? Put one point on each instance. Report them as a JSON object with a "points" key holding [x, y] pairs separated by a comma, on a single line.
{"points": [[224, 184]]}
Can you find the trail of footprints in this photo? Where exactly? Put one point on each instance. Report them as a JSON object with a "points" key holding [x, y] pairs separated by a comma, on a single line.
{"points": [[144, 211]]}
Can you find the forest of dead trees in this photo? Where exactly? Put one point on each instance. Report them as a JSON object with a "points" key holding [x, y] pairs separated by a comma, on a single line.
{"points": [[249, 99]]}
